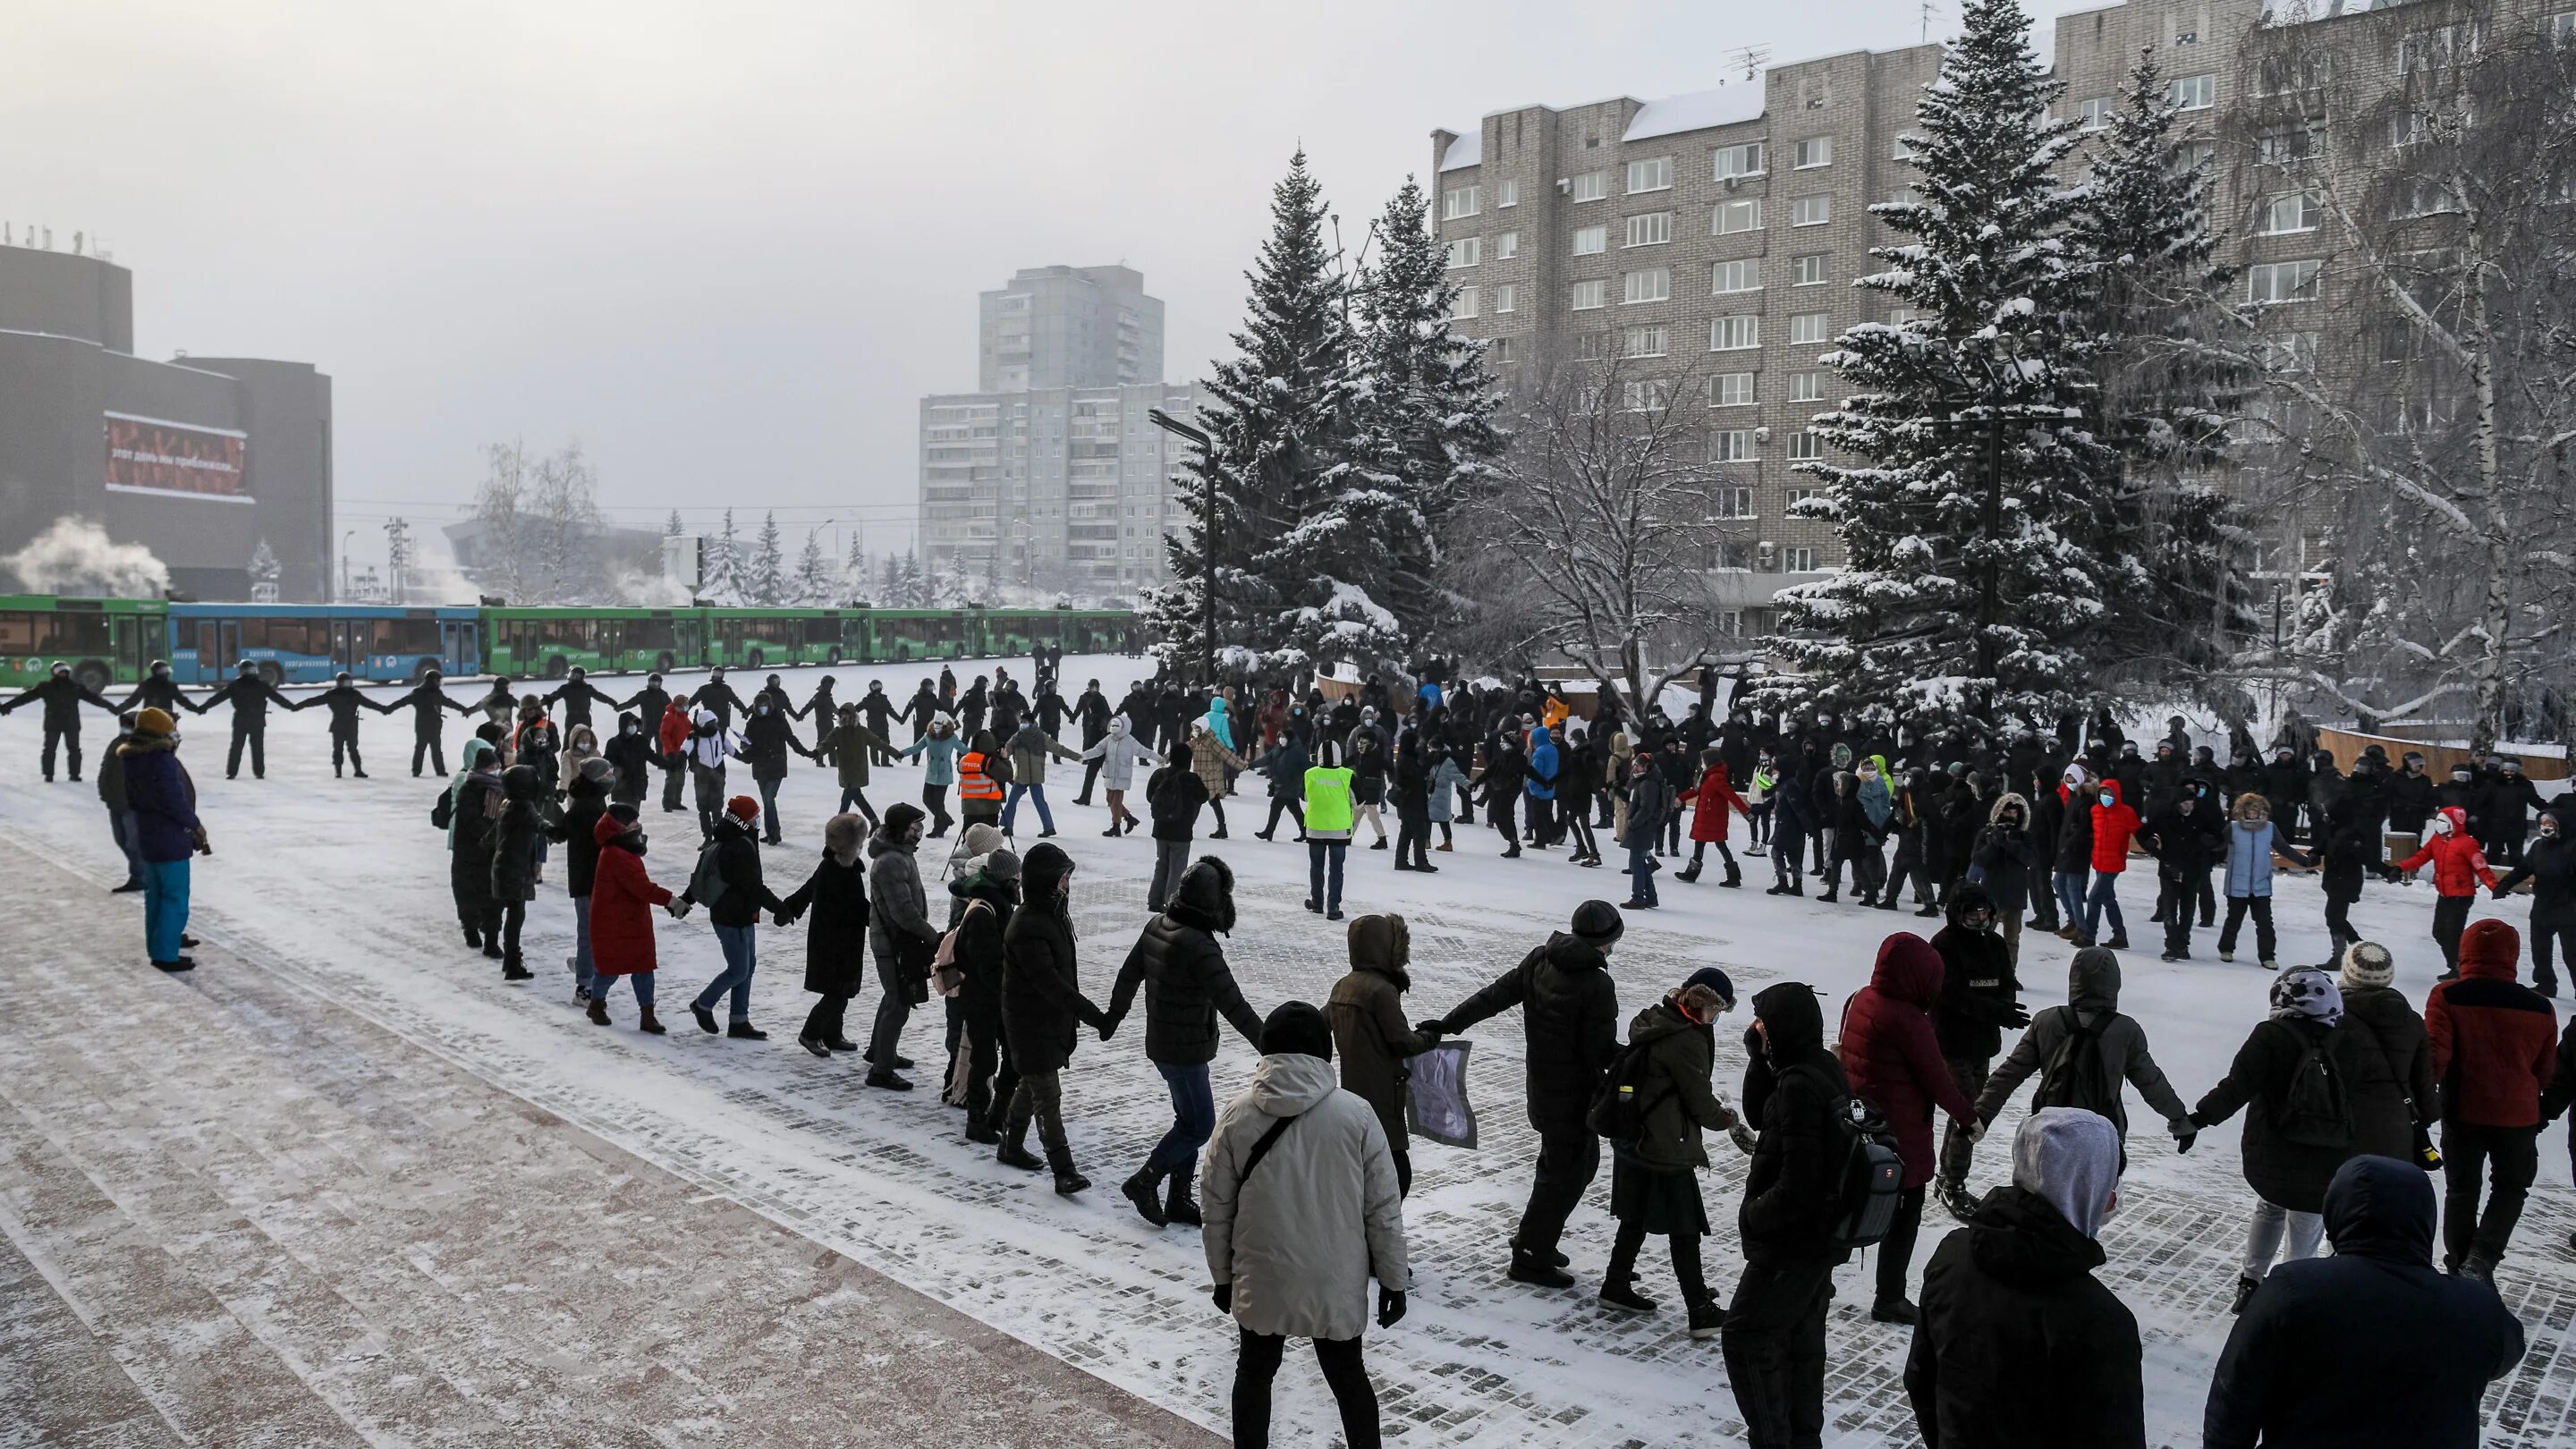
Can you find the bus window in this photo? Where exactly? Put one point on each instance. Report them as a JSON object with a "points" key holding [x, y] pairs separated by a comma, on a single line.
{"points": [[650, 634]]}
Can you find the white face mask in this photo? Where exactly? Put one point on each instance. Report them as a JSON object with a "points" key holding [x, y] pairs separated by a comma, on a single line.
{"points": [[2442, 826]]}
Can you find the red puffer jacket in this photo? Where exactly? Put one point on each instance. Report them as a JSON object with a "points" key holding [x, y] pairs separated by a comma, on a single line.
{"points": [[674, 729], [1709, 804], [1891, 1055], [2495, 1041], [622, 898], [2113, 824], [2458, 863]]}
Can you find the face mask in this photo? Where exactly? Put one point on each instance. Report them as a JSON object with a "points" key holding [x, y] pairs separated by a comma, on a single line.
{"points": [[2442, 826]]}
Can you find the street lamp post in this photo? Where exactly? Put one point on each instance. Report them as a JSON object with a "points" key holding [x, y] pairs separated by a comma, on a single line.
{"points": [[1207, 528]]}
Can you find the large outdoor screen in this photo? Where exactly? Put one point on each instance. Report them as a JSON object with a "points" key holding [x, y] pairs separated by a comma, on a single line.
{"points": [[155, 455]]}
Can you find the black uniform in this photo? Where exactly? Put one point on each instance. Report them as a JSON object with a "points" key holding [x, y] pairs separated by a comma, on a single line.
{"points": [[159, 691], [576, 694], [429, 704], [825, 713], [250, 696], [344, 701], [63, 697], [717, 695]]}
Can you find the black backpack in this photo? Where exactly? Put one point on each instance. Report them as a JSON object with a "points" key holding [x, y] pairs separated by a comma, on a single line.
{"points": [[1872, 1180], [1618, 1113], [2073, 1075], [2313, 1110]]}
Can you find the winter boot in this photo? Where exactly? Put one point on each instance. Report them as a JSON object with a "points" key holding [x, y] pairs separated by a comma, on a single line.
{"points": [[1142, 1190], [1013, 1151], [1261, 835], [2226, 953], [1734, 878], [1536, 1269], [492, 944], [2119, 941], [1621, 1293], [1381, 844], [980, 1131], [1894, 1310], [888, 1081], [513, 969], [2244, 1294], [183, 963], [598, 1012], [1829, 895], [651, 1025], [814, 1044], [1444, 846], [1688, 874], [1178, 1205], [745, 1031], [1953, 1197], [473, 939], [1707, 1319], [706, 1019], [1068, 1182], [2479, 1266], [1929, 910], [840, 1043], [1218, 834]]}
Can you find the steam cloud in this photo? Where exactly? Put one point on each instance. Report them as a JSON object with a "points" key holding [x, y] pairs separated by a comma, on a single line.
{"points": [[75, 556]]}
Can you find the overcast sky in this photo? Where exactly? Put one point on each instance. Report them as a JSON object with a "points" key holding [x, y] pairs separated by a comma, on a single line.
{"points": [[727, 247]]}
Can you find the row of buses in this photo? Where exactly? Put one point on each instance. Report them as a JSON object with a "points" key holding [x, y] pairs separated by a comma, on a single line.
{"points": [[113, 641]]}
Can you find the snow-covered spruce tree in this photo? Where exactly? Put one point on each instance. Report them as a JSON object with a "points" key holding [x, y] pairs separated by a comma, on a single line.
{"points": [[2172, 387], [1970, 519], [815, 584], [721, 580], [1269, 412], [1422, 442], [764, 583]]}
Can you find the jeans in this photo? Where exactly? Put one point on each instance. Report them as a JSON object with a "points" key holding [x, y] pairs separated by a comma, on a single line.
{"points": [[2068, 887], [2103, 899], [600, 986], [1774, 1341], [741, 954], [165, 907], [581, 962], [1568, 1159], [1956, 1149], [1256, 1365], [1193, 1117], [894, 1010], [856, 795], [2266, 944], [769, 805], [1011, 808], [1641, 870], [129, 836], [2263, 1236], [1319, 854], [2450, 918], [2466, 1153], [431, 747], [1171, 858]]}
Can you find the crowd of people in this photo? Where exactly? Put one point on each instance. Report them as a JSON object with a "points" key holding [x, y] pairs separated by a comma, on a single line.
{"points": [[2351, 1095]]}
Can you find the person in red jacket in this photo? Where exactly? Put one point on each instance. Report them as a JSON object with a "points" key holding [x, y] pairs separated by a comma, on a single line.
{"points": [[622, 898], [1893, 1058], [2458, 866], [2113, 823], [2495, 1046], [672, 733], [1709, 804]]}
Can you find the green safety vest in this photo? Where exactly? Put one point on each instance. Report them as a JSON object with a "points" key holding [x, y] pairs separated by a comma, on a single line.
{"points": [[1328, 801]]}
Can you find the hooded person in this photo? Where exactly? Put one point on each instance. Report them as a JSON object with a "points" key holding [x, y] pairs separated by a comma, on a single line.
{"points": [[2252, 841], [162, 801], [1892, 1057], [518, 844], [2020, 1346], [630, 753], [1570, 1011], [1796, 1097], [585, 800], [2370, 1348], [1979, 998], [1654, 1179], [1187, 986], [981, 900], [2109, 1049], [1042, 1004], [581, 744], [467, 812], [1117, 752], [1369, 1027], [1303, 1210], [836, 944], [2549, 863], [2006, 858], [940, 751], [2114, 824], [2459, 866], [900, 938], [2494, 1044], [622, 898]]}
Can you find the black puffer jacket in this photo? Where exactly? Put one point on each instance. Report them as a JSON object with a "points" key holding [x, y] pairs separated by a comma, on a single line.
{"points": [[745, 895], [584, 803], [2549, 863], [2290, 1174], [2019, 1345], [519, 835], [1978, 988], [2381, 1081], [836, 940], [1182, 968], [978, 952], [1042, 1000], [1794, 1094], [1570, 1009]]}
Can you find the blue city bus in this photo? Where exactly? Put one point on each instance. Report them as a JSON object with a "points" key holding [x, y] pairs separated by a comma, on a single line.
{"points": [[309, 643]]}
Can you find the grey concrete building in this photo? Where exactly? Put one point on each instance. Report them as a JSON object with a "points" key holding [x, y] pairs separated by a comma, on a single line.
{"points": [[1057, 489], [197, 458], [1069, 327], [1715, 236]]}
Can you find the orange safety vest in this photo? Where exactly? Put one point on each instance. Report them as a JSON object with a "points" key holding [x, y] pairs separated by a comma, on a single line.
{"points": [[972, 782]]}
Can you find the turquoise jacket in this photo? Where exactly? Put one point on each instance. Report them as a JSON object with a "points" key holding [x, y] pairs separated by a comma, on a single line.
{"points": [[941, 752]]}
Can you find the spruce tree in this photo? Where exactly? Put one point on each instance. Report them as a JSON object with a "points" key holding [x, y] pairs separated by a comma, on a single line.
{"points": [[814, 586], [1969, 520], [764, 584], [1270, 412], [721, 579], [673, 528]]}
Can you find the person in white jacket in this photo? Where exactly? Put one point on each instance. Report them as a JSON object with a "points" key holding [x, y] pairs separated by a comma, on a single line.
{"points": [[1301, 1210], [1118, 752]]}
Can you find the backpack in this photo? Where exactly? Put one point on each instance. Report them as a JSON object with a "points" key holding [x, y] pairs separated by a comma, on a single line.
{"points": [[1618, 1111], [946, 976], [2313, 1111], [2073, 1075], [443, 812], [706, 881], [1872, 1179]]}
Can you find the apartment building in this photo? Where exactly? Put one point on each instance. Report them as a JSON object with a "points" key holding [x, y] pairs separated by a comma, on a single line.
{"points": [[1069, 327], [1715, 236]]}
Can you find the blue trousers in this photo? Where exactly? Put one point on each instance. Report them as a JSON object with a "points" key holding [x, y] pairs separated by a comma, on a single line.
{"points": [[602, 985], [769, 806], [165, 907], [740, 956], [1641, 870], [1193, 1118], [2069, 885], [2103, 898], [1011, 807], [1320, 854]]}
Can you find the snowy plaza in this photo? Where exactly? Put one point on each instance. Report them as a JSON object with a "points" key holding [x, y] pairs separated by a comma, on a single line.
{"points": [[341, 1184]]}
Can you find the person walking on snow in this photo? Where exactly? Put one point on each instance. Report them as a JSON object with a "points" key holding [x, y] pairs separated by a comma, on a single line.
{"points": [[740, 895], [1795, 1097], [1042, 1005], [1649, 802], [2084, 1052], [429, 704], [1979, 998], [940, 749], [1709, 802], [1117, 752], [2459, 866], [1654, 1180], [2113, 824], [621, 917], [159, 691], [2550, 865], [1892, 1057], [1377, 1047], [518, 845], [1328, 821], [1187, 986], [1029, 746], [900, 938], [836, 944], [2251, 842], [2494, 1045]]}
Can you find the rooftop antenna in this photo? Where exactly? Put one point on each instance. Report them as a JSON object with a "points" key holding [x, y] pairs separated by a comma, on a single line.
{"points": [[1924, 13], [1752, 58]]}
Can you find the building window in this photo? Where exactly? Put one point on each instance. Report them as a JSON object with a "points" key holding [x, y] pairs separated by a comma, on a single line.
{"points": [[1730, 622], [1812, 152], [2297, 211], [2195, 92], [2282, 281], [1588, 295], [2426, 49], [1654, 175], [1507, 246], [1652, 229], [1653, 284], [1731, 501], [1808, 329], [2408, 128], [1731, 445], [1466, 251], [2290, 141], [1465, 306], [1732, 217], [1591, 346], [2424, 196], [1732, 390], [1592, 186], [1651, 394], [1591, 239], [1646, 342], [1904, 196], [1798, 496], [1811, 210], [1734, 334], [1499, 349], [1798, 560], [1728, 162], [1901, 316], [2097, 112], [1906, 141], [1461, 201], [1744, 274], [1507, 193], [1811, 270], [2193, 156], [2562, 28], [1806, 387], [1507, 298]]}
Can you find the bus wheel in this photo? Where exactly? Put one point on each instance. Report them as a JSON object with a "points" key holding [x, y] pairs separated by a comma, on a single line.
{"points": [[93, 675], [269, 671], [903, 654], [422, 668], [557, 666], [754, 660], [663, 661]]}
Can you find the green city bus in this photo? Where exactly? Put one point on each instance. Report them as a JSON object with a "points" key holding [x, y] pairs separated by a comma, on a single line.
{"points": [[778, 638], [105, 641], [546, 643]]}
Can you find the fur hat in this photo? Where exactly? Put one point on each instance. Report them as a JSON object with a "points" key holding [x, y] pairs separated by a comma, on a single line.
{"points": [[2367, 963], [843, 834], [155, 722]]}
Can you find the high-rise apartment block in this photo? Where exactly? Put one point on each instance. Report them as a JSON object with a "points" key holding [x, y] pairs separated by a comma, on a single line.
{"points": [[1716, 236], [1052, 477]]}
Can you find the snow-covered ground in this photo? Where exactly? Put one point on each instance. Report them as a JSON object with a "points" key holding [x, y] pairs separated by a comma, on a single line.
{"points": [[341, 885]]}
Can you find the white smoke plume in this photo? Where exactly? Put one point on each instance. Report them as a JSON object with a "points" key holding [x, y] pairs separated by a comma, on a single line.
{"points": [[636, 589], [431, 576], [75, 556]]}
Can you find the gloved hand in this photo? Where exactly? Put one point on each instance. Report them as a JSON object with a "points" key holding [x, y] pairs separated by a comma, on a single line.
{"points": [[2183, 1140], [1223, 1293], [1432, 1027], [2019, 1017], [1741, 1136], [1976, 1132], [1390, 1308], [2497, 893], [677, 909]]}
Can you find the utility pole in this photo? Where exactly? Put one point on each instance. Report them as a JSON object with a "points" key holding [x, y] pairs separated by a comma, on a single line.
{"points": [[1207, 528], [397, 559]]}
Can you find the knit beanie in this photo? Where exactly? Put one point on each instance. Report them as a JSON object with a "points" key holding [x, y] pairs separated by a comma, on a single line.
{"points": [[1002, 865], [981, 839], [596, 769], [1715, 980], [2367, 963], [743, 807], [1297, 1028], [1598, 923]]}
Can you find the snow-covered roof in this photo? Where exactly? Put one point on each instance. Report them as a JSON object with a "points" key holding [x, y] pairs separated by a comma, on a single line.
{"points": [[1467, 150], [1723, 106], [2299, 12]]}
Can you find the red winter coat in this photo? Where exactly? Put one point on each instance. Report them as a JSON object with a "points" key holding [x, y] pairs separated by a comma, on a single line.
{"points": [[1891, 1055], [2113, 824], [2501, 1036], [1709, 804], [622, 898], [674, 729], [2458, 863]]}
